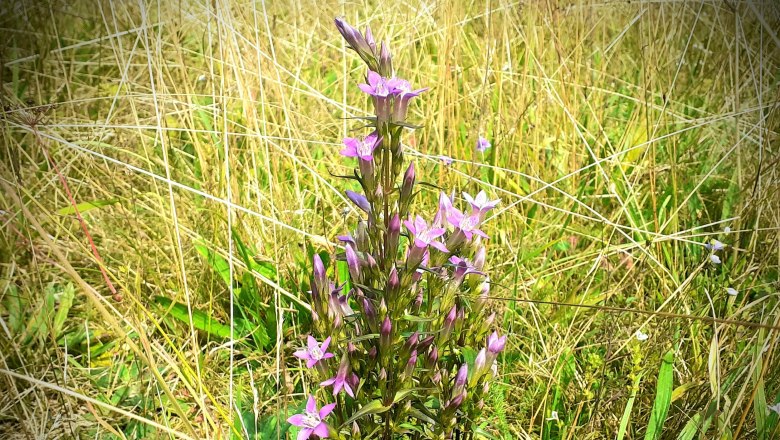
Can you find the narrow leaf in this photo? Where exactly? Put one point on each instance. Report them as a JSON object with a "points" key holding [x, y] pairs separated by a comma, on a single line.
{"points": [[663, 397]]}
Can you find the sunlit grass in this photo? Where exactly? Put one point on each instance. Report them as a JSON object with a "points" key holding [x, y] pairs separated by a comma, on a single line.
{"points": [[625, 136]]}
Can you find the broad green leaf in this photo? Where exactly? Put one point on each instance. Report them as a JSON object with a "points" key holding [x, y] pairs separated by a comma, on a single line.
{"points": [[215, 261], [372, 407], [691, 428], [200, 320], [663, 398], [85, 206], [627, 411]]}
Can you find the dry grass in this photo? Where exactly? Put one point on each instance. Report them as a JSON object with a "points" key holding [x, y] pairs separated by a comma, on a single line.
{"points": [[625, 136]]}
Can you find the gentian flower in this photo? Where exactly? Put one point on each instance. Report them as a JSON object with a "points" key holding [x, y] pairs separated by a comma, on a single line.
{"points": [[340, 381], [363, 45], [482, 144], [362, 149], [446, 160], [715, 246], [495, 345], [463, 267], [466, 223], [715, 259], [311, 420], [403, 92], [480, 204], [381, 92], [338, 306], [360, 200], [445, 210], [425, 235], [314, 352]]}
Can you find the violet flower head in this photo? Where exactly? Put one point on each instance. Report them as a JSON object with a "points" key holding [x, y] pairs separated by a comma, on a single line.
{"points": [[363, 149], [495, 344], [463, 267], [403, 92], [482, 144], [468, 224], [340, 381], [314, 352], [360, 200], [353, 263], [445, 210], [715, 246], [425, 235], [446, 160], [363, 45], [311, 420], [480, 204], [381, 92]]}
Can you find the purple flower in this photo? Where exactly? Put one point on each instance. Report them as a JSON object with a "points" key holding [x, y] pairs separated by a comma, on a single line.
{"points": [[340, 381], [482, 144], [363, 45], [314, 352], [480, 362], [445, 209], [360, 200], [363, 149], [425, 235], [463, 267], [715, 246], [403, 93], [353, 263], [338, 305], [495, 344], [480, 204], [715, 259], [732, 291], [446, 160], [311, 420], [466, 223], [379, 89]]}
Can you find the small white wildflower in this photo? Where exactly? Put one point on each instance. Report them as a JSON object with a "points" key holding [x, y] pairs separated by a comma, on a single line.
{"points": [[640, 336], [727, 229], [715, 246], [715, 259], [775, 408], [202, 78], [732, 291], [553, 416]]}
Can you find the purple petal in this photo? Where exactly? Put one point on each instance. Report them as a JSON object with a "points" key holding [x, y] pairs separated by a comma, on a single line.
{"points": [[327, 409], [349, 390], [328, 382], [321, 430], [312, 343], [311, 405], [311, 362], [327, 355], [366, 88], [410, 226], [374, 78], [480, 233], [302, 354], [325, 344], [296, 420], [440, 246], [304, 434], [436, 232], [337, 386]]}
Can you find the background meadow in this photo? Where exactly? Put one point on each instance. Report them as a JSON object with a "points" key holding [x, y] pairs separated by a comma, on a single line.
{"points": [[159, 158]]}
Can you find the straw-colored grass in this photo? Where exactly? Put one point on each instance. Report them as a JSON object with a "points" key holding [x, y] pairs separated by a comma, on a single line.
{"points": [[625, 136]]}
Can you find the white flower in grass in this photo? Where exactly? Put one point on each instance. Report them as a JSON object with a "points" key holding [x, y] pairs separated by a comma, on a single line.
{"points": [[640, 336], [553, 416], [732, 291], [727, 229], [714, 259], [775, 408]]}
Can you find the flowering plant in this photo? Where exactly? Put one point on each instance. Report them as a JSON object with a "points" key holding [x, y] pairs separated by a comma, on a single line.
{"points": [[408, 328]]}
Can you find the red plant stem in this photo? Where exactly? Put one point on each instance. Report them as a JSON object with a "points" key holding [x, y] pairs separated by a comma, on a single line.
{"points": [[83, 224]]}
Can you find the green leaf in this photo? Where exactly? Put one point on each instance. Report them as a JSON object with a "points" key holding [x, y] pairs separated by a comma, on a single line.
{"points": [[200, 320], [691, 428], [85, 206], [219, 264], [627, 411], [372, 407], [66, 302], [663, 397]]}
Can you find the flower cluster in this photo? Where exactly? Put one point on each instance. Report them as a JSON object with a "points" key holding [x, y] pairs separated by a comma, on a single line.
{"points": [[412, 337]]}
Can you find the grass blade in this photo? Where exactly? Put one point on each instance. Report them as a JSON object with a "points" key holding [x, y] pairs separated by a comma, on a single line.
{"points": [[663, 397]]}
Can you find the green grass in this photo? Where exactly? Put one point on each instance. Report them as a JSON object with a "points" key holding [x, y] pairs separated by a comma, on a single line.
{"points": [[197, 141]]}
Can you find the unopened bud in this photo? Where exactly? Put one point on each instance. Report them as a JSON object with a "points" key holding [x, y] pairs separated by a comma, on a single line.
{"points": [[433, 357], [480, 361], [479, 258], [382, 374], [320, 279], [351, 349], [393, 283], [368, 310], [372, 352], [385, 334], [411, 343], [393, 234], [408, 184], [361, 235], [355, 430], [458, 400], [385, 61], [359, 200], [410, 364], [425, 343], [353, 263], [436, 379], [462, 377], [480, 404]]}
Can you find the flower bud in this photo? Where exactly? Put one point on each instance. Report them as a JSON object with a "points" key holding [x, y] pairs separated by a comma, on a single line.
{"points": [[457, 401], [485, 387], [372, 352], [408, 184], [360, 44], [449, 321], [368, 310], [479, 258], [496, 344], [393, 234], [382, 374], [393, 284], [355, 430], [436, 378], [411, 343], [425, 343], [361, 236], [480, 362], [320, 279], [351, 349], [433, 357], [409, 369], [418, 301], [385, 61], [462, 377], [360, 200], [480, 404], [353, 263], [385, 334]]}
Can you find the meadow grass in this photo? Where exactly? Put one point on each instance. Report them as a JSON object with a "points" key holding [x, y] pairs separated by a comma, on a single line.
{"points": [[168, 168]]}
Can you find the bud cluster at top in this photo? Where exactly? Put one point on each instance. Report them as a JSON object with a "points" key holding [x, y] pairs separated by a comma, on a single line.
{"points": [[408, 345]]}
